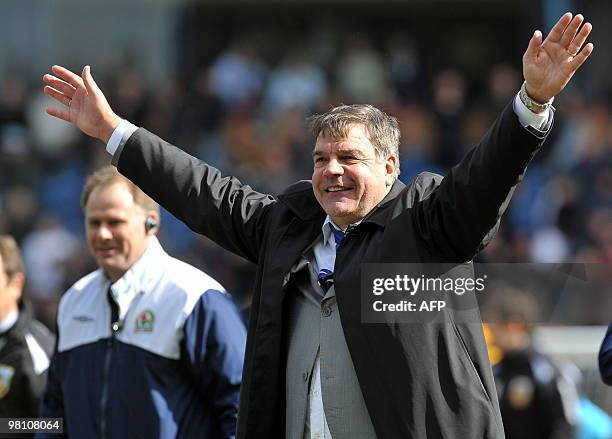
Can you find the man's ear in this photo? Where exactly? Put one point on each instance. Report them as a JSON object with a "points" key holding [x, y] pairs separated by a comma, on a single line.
{"points": [[390, 166], [16, 284]]}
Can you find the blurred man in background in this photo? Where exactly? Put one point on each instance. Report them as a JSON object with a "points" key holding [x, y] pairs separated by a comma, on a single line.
{"points": [[25, 344], [148, 346], [536, 400]]}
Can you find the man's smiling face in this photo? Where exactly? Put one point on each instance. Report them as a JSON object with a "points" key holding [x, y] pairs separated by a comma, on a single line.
{"points": [[348, 179], [115, 228]]}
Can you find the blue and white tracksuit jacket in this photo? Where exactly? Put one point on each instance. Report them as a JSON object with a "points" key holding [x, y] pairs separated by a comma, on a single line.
{"points": [[163, 360]]}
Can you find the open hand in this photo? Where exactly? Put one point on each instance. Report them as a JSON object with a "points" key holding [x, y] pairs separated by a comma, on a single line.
{"points": [[548, 66], [86, 105]]}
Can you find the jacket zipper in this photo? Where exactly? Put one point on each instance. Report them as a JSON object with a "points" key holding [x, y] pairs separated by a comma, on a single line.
{"points": [[108, 356], [105, 379]]}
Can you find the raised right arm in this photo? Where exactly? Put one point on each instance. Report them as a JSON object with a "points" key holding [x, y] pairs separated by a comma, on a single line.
{"points": [[232, 214], [222, 208]]}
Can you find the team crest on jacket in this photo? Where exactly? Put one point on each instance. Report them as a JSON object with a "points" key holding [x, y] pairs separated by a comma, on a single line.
{"points": [[145, 321], [6, 375], [521, 390]]}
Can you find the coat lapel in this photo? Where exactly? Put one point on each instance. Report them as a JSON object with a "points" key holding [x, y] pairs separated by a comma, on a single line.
{"points": [[268, 362]]}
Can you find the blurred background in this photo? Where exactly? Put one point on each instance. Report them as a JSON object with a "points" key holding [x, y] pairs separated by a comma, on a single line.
{"points": [[232, 82]]}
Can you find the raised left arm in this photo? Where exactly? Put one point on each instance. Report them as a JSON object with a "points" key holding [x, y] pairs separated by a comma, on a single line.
{"points": [[460, 216]]}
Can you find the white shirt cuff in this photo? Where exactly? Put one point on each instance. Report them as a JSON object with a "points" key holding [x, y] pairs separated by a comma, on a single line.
{"points": [[121, 134], [528, 118]]}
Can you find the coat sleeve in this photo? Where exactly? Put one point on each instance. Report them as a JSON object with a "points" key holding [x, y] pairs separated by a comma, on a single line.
{"points": [[222, 208], [213, 348], [459, 216], [605, 357]]}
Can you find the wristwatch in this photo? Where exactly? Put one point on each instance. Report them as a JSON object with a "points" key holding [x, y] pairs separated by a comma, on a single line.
{"points": [[532, 105]]}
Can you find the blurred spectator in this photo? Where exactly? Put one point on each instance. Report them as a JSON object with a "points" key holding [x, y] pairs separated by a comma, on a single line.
{"points": [[200, 111], [536, 400], [405, 68], [25, 344], [16, 156], [13, 96], [237, 75], [477, 118], [323, 44], [58, 190], [362, 74], [295, 83], [565, 147], [47, 251], [19, 211], [449, 89], [49, 137], [129, 95], [548, 245], [599, 227], [504, 81], [417, 147]]}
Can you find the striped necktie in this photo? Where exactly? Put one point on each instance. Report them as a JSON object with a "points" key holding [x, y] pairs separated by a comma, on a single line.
{"points": [[326, 277]]}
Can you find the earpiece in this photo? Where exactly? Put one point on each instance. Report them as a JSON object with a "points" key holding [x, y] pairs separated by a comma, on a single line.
{"points": [[150, 224]]}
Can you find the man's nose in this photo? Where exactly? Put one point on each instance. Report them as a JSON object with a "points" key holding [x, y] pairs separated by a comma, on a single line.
{"points": [[103, 232], [334, 168]]}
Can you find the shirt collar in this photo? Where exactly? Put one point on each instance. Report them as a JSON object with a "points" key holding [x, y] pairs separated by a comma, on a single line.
{"points": [[142, 274], [9, 321], [328, 236]]}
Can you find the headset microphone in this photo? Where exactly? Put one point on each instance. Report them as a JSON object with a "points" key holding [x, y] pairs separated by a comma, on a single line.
{"points": [[150, 224]]}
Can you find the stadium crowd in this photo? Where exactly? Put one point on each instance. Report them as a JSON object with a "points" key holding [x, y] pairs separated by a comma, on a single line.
{"points": [[246, 116]]}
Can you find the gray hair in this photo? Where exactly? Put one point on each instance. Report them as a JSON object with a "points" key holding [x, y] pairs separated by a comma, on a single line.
{"points": [[383, 130]]}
